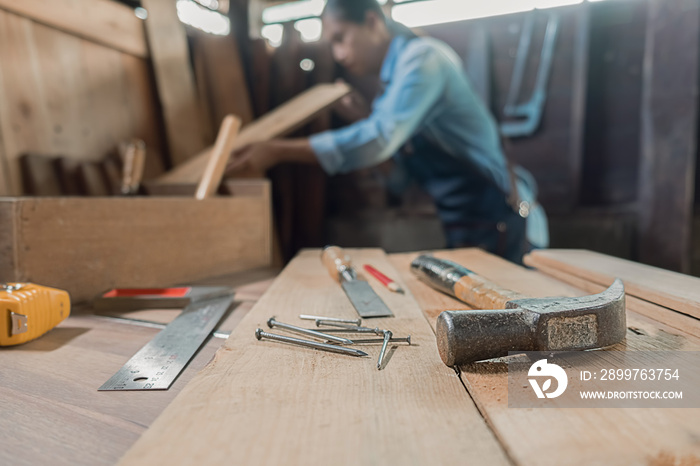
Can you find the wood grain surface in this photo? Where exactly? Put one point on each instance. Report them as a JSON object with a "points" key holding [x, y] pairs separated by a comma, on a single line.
{"points": [[102, 243], [64, 95], [52, 411], [663, 287], [101, 21], [182, 112], [659, 313], [556, 436], [264, 402]]}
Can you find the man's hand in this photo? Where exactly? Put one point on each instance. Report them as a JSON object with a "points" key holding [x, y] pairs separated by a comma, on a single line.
{"points": [[251, 161]]}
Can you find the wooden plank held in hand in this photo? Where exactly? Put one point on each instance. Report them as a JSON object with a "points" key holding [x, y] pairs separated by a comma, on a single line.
{"points": [[669, 289], [279, 122], [214, 171]]}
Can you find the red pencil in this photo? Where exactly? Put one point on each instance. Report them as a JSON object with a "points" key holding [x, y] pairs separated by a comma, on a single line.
{"points": [[388, 282]]}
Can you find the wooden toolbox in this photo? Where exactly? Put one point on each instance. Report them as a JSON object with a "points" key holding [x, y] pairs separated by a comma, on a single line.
{"points": [[88, 245]]}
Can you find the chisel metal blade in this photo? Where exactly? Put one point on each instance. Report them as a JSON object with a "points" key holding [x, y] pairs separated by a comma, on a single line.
{"points": [[365, 300]]}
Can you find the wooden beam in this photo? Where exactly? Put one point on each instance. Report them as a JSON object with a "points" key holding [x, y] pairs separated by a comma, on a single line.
{"points": [[222, 79], [100, 243], [669, 133], [640, 306], [183, 115], [330, 407], [105, 22], [216, 165], [556, 435], [670, 289], [280, 122]]}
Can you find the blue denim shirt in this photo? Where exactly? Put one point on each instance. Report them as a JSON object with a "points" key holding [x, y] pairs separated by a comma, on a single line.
{"points": [[427, 94]]}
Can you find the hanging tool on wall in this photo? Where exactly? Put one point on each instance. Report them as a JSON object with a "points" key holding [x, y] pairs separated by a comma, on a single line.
{"points": [[29, 311], [526, 116]]}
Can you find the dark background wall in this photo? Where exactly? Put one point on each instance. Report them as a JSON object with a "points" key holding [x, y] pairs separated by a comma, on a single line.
{"points": [[588, 155]]}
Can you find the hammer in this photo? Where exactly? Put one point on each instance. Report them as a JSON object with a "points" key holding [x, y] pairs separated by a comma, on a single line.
{"points": [[519, 323]]}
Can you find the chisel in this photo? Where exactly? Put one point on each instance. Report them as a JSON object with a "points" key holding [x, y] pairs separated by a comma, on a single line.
{"points": [[361, 295]]}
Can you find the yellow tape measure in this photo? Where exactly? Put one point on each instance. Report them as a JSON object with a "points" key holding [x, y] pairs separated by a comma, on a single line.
{"points": [[27, 311]]}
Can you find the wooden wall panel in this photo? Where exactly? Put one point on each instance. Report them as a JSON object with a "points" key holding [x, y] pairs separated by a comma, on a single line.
{"points": [[669, 133], [63, 95], [611, 152], [186, 130], [102, 21]]}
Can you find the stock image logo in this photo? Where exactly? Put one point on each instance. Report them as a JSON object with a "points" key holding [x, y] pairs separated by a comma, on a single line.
{"points": [[547, 371]]}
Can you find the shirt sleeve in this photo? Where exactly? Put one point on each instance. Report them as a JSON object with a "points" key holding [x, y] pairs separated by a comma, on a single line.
{"points": [[415, 88]]}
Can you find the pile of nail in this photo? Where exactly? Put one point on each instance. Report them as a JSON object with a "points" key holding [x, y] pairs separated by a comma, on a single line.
{"points": [[327, 331]]}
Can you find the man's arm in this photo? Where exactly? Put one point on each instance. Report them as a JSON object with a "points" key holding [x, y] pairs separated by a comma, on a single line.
{"points": [[404, 109], [400, 113], [254, 160]]}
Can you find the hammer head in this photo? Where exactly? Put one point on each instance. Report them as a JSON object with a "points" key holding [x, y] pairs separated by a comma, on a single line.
{"points": [[533, 324]]}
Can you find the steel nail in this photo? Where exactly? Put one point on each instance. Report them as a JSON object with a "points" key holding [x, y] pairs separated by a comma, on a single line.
{"points": [[312, 333], [387, 338], [381, 340], [260, 334], [375, 330], [357, 322], [332, 323]]}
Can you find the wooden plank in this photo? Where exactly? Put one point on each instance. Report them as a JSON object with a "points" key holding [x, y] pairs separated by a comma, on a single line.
{"points": [[330, 407], [69, 176], [175, 79], [102, 243], [669, 289], [222, 76], [107, 23], [60, 94], [645, 308], [93, 180], [565, 436], [214, 171], [25, 121], [53, 381], [40, 175], [669, 133], [279, 122], [48, 388]]}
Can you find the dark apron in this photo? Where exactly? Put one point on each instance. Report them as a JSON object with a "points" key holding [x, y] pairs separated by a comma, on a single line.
{"points": [[473, 210]]}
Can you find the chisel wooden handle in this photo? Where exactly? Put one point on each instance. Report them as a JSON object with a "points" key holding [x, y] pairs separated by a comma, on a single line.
{"points": [[462, 283], [218, 159], [338, 263]]}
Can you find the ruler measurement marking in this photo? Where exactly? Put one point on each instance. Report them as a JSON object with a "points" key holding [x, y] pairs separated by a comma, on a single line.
{"points": [[157, 364]]}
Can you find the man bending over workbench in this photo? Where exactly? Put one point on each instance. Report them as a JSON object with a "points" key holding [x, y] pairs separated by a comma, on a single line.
{"points": [[429, 119]]}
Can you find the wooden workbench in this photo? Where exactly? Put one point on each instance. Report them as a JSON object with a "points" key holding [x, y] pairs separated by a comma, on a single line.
{"points": [[267, 403]]}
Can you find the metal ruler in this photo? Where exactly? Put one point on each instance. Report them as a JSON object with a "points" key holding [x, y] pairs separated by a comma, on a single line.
{"points": [[157, 365]]}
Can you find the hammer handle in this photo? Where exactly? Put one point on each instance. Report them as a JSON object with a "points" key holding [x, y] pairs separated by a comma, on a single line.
{"points": [[338, 263], [462, 283]]}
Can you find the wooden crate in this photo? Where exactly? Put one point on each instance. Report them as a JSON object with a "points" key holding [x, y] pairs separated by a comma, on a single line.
{"points": [[88, 245]]}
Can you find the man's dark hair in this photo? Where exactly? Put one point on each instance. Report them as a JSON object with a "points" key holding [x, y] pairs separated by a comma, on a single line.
{"points": [[354, 11]]}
